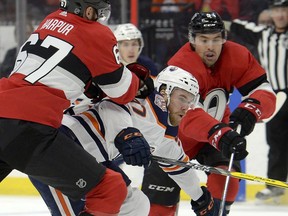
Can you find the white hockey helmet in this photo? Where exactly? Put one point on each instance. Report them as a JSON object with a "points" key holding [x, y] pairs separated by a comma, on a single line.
{"points": [[128, 31], [175, 77]]}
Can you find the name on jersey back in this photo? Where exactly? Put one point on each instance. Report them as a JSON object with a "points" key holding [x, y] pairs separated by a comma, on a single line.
{"points": [[57, 25]]}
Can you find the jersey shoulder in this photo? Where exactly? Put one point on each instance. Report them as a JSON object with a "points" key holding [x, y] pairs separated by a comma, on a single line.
{"points": [[159, 107]]}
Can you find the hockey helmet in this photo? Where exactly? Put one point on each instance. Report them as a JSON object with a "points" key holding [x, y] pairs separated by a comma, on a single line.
{"points": [[128, 31], [78, 7], [278, 3], [206, 23], [175, 77]]}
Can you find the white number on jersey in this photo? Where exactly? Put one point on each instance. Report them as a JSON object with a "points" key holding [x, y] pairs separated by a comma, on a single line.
{"points": [[49, 64]]}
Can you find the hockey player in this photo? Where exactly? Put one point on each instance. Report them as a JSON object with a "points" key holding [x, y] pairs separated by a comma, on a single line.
{"points": [[130, 44], [219, 66], [100, 136], [68, 54]]}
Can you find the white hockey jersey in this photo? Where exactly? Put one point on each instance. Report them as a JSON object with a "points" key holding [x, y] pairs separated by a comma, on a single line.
{"points": [[96, 129]]}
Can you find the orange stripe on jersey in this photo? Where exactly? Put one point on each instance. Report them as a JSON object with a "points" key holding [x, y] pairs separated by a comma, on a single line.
{"points": [[155, 115], [94, 122], [174, 168], [169, 136], [63, 203]]}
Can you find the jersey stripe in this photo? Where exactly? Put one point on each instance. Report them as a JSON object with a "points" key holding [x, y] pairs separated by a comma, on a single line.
{"points": [[93, 136], [63, 203]]}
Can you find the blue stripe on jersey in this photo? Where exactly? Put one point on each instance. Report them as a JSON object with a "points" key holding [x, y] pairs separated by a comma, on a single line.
{"points": [[160, 110], [45, 192], [93, 136], [178, 172], [102, 128]]}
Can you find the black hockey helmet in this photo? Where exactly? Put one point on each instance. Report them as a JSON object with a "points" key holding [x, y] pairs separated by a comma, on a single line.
{"points": [[206, 23], [78, 7], [278, 3]]}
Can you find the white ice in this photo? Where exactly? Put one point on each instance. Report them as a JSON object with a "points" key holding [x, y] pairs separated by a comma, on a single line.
{"points": [[34, 206]]}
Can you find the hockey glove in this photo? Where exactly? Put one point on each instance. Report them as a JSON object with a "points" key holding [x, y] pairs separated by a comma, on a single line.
{"points": [[146, 86], [206, 205], [133, 147], [93, 91], [146, 89], [227, 141], [246, 115]]}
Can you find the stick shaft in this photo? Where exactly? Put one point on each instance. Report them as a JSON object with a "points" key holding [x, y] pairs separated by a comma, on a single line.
{"points": [[216, 170]]}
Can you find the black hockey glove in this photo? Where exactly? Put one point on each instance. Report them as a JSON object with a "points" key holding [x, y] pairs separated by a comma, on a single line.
{"points": [[227, 141], [133, 147], [146, 89], [93, 91], [206, 205], [246, 115], [146, 85]]}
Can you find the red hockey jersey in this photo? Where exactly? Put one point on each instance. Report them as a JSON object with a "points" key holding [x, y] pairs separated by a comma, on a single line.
{"points": [[235, 68], [57, 63]]}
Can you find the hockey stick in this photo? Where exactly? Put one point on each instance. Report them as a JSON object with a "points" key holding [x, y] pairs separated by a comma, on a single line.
{"points": [[216, 170], [280, 100], [228, 178], [222, 206]]}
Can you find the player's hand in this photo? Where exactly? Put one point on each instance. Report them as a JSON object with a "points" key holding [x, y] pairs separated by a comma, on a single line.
{"points": [[133, 147], [228, 141], [246, 115], [206, 205]]}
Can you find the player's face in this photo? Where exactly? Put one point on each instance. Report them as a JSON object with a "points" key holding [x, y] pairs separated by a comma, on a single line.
{"points": [[208, 47], [279, 16], [129, 50], [180, 102]]}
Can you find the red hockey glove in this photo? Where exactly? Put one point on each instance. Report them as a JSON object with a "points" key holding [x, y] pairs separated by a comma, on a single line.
{"points": [[246, 115], [205, 205], [227, 141], [133, 147]]}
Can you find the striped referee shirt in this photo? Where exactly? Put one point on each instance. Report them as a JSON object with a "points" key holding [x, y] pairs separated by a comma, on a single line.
{"points": [[272, 49]]}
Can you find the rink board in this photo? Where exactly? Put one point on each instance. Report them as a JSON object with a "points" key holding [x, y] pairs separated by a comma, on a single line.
{"points": [[22, 186]]}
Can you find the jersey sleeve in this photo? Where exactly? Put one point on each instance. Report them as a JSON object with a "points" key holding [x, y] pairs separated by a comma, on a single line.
{"points": [[110, 113], [120, 85], [187, 179], [116, 81], [196, 123]]}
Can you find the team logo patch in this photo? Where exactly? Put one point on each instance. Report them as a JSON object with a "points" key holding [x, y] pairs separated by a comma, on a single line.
{"points": [[160, 102], [81, 183]]}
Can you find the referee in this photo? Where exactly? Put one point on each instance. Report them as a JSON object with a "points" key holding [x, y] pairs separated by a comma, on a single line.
{"points": [[272, 46]]}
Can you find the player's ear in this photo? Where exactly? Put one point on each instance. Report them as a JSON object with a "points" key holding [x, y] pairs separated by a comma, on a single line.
{"points": [[90, 14]]}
